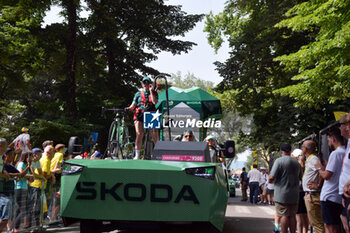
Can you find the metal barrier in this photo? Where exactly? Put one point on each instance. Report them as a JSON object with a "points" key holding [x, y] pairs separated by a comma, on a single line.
{"points": [[34, 209]]}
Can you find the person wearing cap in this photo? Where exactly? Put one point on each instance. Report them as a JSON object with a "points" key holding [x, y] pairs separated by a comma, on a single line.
{"points": [[285, 174], [212, 150], [254, 176], [97, 155], [34, 206], [7, 194], [23, 140], [144, 100], [302, 219], [57, 159], [55, 167], [188, 136], [312, 193]]}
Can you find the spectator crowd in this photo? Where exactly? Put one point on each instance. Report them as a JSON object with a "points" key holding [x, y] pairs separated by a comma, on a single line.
{"points": [[308, 192], [29, 183]]}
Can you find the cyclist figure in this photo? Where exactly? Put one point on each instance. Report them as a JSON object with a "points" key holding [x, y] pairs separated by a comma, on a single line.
{"points": [[144, 100]]}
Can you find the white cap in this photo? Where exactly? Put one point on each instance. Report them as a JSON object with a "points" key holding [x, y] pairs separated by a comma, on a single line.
{"points": [[296, 153]]}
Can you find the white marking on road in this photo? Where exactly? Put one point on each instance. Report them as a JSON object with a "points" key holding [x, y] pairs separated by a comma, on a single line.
{"points": [[242, 209], [267, 210]]}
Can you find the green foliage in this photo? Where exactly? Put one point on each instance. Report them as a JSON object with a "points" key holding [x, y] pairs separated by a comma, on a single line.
{"points": [[59, 131], [113, 46], [323, 65], [11, 120], [189, 80], [253, 79]]}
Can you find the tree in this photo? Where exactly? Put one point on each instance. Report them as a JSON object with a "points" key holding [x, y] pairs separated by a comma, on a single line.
{"points": [[251, 75], [190, 80], [322, 66], [71, 69]]}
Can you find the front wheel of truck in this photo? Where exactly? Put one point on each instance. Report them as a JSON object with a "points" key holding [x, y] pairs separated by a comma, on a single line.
{"points": [[90, 226]]}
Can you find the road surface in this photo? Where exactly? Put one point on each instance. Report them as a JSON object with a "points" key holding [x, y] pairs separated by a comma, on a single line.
{"points": [[241, 217]]}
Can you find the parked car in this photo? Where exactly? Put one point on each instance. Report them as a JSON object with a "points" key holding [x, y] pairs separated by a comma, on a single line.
{"points": [[232, 187]]}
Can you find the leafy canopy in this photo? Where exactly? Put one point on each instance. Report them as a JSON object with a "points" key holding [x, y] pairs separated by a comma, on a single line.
{"points": [[322, 66]]}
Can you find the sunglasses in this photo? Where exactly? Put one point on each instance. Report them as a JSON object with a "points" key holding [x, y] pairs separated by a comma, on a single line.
{"points": [[188, 136]]}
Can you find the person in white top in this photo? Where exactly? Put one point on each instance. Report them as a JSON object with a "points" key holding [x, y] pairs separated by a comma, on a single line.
{"points": [[24, 141], [254, 178], [331, 205], [263, 180], [344, 180], [312, 192]]}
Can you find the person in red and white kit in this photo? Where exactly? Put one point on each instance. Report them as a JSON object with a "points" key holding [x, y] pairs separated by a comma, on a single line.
{"points": [[144, 100]]}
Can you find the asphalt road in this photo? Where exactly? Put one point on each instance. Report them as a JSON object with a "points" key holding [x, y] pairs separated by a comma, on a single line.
{"points": [[241, 217]]}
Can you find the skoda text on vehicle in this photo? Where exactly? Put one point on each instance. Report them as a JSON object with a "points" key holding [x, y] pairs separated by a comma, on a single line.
{"points": [[146, 190]]}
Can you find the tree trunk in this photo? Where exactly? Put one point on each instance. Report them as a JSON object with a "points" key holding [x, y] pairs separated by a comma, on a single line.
{"points": [[71, 56]]}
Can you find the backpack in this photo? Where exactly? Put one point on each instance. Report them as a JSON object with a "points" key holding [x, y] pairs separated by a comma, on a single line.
{"points": [[19, 145], [147, 103]]}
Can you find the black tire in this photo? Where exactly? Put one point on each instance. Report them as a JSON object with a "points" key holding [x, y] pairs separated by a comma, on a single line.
{"points": [[111, 138], [204, 227], [127, 151], [90, 226], [113, 147]]}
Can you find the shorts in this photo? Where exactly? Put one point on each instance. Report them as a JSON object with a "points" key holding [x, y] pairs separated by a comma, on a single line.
{"points": [[331, 212], [345, 210], [6, 207], [270, 191], [301, 205], [286, 209]]}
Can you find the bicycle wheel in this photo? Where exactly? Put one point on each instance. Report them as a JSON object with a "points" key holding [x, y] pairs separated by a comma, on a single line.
{"points": [[127, 147], [148, 146], [113, 146]]}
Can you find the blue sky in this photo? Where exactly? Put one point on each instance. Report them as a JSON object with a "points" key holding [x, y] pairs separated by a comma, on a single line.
{"points": [[199, 61]]}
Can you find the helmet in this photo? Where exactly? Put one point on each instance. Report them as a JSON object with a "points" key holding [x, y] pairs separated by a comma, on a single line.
{"points": [[24, 129]]}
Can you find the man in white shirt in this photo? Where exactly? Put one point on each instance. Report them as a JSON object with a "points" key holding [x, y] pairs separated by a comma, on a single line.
{"points": [[254, 178], [344, 180], [331, 203], [312, 192], [24, 140]]}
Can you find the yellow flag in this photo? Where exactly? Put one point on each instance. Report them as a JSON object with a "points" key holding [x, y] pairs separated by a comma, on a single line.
{"points": [[255, 157], [337, 115]]}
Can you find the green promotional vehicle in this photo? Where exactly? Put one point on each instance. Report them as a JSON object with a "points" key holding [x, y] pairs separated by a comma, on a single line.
{"points": [[177, 186]]}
